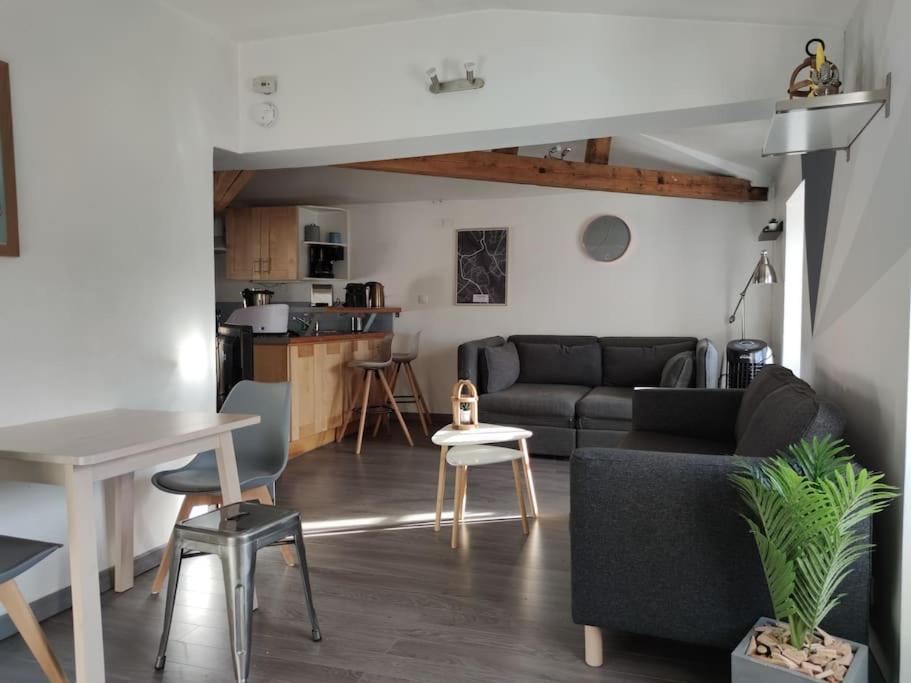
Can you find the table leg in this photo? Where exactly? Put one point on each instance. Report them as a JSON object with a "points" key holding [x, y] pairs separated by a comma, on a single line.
{"points": [[520, 495], [83, 547], [529, 481], [461, 483], [123, 532], [227, 469], [441, 487]]}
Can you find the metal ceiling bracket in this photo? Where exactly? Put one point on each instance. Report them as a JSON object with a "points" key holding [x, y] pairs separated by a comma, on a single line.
{"points": [[888, 90]]}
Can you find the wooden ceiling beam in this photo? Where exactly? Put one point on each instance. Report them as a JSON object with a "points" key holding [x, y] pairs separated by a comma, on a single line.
{"points": [[506, 150], [506, 168], [597, 151], [226, 186]]}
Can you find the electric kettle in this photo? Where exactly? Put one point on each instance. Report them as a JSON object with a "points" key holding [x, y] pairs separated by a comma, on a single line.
{"points": [[376, 297]]}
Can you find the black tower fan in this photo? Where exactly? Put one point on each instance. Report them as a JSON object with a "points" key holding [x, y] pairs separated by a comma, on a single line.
{"points": [[745, 358]]}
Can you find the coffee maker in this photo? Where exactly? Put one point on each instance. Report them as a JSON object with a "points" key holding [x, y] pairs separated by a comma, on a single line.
{"points": [[323, 258]]}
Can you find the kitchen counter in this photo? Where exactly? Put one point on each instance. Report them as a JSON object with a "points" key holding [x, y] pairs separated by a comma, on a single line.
{"points": [[319, 338]]}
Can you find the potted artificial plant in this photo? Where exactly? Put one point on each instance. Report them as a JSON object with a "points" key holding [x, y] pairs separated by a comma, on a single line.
{"points": [[804, 508]]}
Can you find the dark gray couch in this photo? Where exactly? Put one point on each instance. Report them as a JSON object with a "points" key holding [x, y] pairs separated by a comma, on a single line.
{"points": [[575, 391], [658, 546]]}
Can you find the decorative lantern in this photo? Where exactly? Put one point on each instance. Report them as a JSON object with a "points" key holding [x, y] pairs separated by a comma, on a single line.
{"points": [[464, 405]]}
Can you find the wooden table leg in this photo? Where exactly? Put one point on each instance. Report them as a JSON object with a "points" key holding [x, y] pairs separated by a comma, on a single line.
{"points": [[441, 487], [227, 469], [458, 496], [83, 547], [520, 495], [123, 532], [529, 481]]}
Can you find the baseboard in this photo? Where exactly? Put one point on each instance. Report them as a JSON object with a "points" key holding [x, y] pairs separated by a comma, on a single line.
{"points": [[62, 600]]}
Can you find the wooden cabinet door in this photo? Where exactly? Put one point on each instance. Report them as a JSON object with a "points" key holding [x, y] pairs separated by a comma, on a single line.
{"points": [[280, 245], [243, 259]]}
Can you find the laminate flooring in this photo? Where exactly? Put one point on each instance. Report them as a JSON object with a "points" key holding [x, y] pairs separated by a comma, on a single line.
{"points": [[396, 604]]}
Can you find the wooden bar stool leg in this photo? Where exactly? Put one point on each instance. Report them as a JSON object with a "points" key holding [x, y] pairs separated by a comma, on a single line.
{"points": [[186, 507], [352, 404], [461, 484], [529, 481], [20, 612], [365, 401], [419, 395], [383, 417], [520, 495], [395, 408], [409, 374], [441, 488]]}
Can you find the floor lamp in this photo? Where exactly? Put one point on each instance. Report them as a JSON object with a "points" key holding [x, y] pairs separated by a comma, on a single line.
{"points": [[745, 357]]}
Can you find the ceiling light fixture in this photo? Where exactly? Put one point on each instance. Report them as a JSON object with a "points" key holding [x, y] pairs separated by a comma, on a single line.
{"points": [[470, 82]]}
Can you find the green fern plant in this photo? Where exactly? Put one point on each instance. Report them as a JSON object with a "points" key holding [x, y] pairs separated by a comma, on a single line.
{"points": [[804, 507]]}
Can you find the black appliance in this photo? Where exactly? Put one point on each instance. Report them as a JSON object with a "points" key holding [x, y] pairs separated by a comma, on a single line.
{"points": [[356, 295], [323, 258], [234, 358], [745, 358]]}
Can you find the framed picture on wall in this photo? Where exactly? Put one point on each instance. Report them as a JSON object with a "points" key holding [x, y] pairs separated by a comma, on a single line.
{"points": [[482, 257], [9, 225]]}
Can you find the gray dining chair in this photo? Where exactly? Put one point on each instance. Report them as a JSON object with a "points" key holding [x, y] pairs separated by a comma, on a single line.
{"points": [[261, 452], [16, 556]]}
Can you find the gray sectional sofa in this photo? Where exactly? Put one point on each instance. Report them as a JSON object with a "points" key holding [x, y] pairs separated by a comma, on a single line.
{"points": [[576, 391], [658, 544]]}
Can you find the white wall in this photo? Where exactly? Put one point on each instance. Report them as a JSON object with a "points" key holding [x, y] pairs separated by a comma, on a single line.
{"points": [[367, 85], [857, 354], [116, 106], [687, 261]]}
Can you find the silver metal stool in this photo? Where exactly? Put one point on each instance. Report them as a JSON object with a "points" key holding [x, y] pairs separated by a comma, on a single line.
{"points": [[234, 533]]}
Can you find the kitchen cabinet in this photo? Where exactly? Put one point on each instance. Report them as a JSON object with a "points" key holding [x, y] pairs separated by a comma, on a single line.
{"points": [[262, 243], [320, 378]]}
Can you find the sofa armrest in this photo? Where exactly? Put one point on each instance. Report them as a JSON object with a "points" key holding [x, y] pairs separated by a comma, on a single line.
{"points": [[469, 363], [700, 413], [658, 547]]}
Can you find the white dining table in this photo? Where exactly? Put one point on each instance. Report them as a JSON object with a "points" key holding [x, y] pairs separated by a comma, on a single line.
{"points": [[75, 452]]}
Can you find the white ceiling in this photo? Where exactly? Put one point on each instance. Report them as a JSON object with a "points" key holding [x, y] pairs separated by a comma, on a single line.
{"points": [[258, 19], [730, 149]]}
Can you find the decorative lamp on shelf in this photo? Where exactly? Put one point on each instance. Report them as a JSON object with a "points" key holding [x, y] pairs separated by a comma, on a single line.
{"points": [[464, 405]]}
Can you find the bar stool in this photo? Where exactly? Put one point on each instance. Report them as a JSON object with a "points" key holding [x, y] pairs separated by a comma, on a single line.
{"points": [[234, 533], [404, 351], [16, 556], [370, 369]]}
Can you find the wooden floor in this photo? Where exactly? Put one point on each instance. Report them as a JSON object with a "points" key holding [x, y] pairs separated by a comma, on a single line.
{"points": [[395, 605]]}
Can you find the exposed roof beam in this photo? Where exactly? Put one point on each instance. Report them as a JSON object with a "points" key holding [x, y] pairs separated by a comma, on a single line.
{"points": [[227, 185], [506, 150], [597, 151], [505, 168]]}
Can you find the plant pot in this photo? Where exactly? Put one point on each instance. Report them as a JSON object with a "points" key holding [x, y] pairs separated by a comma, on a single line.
{"points": [[746, 669]]}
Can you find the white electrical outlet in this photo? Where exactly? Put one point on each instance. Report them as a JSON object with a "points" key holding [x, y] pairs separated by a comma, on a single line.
{"points": [[265, 114], [267, 85]]}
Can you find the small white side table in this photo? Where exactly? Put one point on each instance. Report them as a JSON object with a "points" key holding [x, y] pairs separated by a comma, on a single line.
{"points": [[484, 433]]}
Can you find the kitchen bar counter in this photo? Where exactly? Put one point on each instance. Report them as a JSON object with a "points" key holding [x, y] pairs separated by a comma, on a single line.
{"points": [[321, 381], [319, 338]]}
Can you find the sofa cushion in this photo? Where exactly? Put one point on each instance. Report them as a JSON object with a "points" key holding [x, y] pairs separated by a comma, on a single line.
{"points": [[499, 367], [787, 415], [706, 370], [678, 371], [638, 361], [769, 380], [528, 404], [606, 408], [674, 443], [577, 364]]}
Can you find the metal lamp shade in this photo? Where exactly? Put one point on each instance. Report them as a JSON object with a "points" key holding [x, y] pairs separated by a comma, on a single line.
{"points": [[764, 274]]}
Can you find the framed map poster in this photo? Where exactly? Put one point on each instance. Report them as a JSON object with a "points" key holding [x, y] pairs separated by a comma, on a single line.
{"points": [[9, 226], [481, 266]]}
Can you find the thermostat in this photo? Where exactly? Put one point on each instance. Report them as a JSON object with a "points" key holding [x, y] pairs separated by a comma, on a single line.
{"points": [[265, 114]]}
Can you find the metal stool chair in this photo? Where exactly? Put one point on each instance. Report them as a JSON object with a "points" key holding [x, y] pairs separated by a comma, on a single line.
{"points": [[404, 351], [361, 400], [16, 556], [234, 533]]}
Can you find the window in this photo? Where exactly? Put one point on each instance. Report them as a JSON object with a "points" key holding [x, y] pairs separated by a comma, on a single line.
{"points": [[794, 279]]}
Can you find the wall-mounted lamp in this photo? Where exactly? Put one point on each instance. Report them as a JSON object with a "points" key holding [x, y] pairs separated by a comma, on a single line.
{"points": [[470, 82]]}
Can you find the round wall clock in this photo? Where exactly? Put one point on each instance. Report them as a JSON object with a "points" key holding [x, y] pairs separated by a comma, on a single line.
{"points": [[606, 238]]}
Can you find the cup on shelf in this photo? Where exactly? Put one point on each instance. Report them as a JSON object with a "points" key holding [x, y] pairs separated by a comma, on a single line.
{"points": [[335, 237]]}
